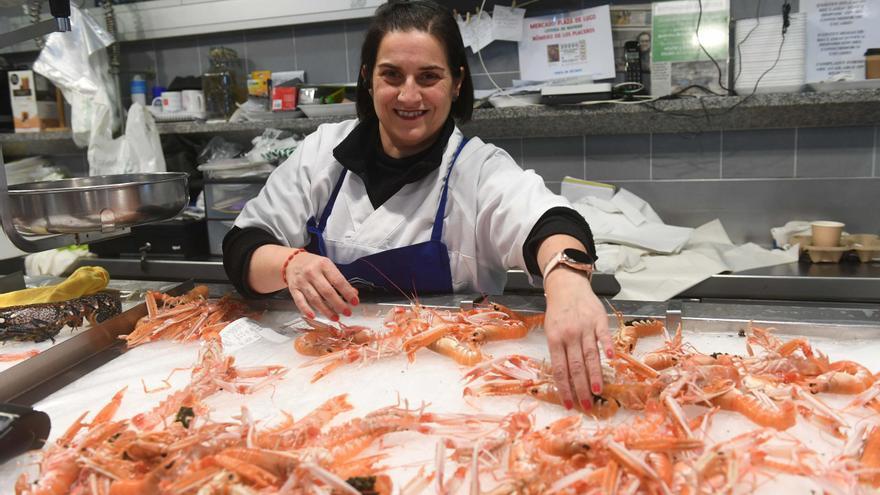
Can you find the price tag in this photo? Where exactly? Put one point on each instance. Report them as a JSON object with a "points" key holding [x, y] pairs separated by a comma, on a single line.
{"points": [[245, 331]]}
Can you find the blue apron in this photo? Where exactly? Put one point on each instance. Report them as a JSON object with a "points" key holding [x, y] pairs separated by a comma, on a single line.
{"points": [[421, 268]]}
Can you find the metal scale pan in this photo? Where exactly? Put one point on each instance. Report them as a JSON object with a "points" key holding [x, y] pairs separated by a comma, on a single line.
{"points": [[89, 208], [102, 203]]}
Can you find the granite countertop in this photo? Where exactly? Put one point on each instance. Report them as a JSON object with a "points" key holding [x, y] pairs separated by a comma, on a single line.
{"points": [[760, 111]]}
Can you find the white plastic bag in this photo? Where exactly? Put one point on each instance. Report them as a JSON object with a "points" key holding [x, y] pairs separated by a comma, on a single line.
{"points": [[77, 63], [139, 150]]}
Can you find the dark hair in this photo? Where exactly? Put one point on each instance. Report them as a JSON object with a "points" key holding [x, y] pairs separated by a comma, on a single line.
{"points": [[419, 15]]}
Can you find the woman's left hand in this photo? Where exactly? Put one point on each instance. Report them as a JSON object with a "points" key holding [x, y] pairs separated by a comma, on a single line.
{"points": [[576, 325]]}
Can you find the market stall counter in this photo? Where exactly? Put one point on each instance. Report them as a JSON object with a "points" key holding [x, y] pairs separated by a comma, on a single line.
{"points": [[379, 403]]}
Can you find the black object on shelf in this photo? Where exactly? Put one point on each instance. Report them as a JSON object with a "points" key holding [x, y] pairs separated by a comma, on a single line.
{"points": [[21, 429], [6, 122], [177, 237]]}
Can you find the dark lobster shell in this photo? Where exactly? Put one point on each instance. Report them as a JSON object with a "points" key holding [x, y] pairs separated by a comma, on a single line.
{"points": [[39, 322]]}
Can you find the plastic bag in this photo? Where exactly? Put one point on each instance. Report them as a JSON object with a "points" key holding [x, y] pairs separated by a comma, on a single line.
{"points": [[272, 147], [139, 150], [231, 168], [77, 63], [218, 149]]}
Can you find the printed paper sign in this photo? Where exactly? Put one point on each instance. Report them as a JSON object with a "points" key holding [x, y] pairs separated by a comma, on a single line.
{"points": [[466, 30], [507, 23], [482, 28], [576, 43], [678, 60], [839, 32]]}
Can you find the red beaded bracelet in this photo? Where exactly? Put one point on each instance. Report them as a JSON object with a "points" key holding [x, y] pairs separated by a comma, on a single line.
{"points": [[287, 262]]}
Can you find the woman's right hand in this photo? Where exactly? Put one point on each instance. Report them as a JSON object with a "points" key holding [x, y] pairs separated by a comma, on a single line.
{"points": [[315, 283]]}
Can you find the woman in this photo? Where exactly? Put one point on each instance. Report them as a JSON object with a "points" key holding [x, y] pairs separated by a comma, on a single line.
{"points": [[399, 199]]}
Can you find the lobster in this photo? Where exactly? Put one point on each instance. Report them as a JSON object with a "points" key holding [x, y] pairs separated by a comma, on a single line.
{"points": [[39, 322]]}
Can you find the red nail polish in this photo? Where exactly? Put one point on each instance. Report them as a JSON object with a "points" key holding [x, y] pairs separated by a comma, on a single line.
{"points": [[586, 405], [347, 312], [334, 318], [569, 404], [597, 389], [610, 354], [355, 302]]}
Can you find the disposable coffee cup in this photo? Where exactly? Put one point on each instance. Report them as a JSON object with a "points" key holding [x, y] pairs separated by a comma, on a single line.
{"points": [[826, 233]]}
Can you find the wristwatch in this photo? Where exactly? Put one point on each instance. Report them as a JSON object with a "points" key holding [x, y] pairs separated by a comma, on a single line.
{"points": [[571, 258]]}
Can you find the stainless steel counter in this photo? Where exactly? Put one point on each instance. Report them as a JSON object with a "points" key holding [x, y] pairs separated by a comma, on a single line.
{"points": [[845, 282]]}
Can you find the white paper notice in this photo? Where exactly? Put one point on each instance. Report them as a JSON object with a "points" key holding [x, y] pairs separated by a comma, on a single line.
{"points": [[240, 333], [245, 331], [838, 34], [576, 43], [482, 26], [507, 23], [466, 30]]}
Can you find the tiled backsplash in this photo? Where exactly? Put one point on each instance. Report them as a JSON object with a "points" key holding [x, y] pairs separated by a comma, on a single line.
{"points": [[752, 180]]}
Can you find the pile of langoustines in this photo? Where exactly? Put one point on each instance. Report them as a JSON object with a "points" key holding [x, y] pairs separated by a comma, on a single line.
{"points": [[672, 393]]}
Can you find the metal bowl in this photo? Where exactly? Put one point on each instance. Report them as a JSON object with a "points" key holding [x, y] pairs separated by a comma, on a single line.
{"points": [[102, 203]]}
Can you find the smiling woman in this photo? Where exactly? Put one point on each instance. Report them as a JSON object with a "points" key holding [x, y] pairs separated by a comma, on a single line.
{"points": [[413, 90], [400, 200]]}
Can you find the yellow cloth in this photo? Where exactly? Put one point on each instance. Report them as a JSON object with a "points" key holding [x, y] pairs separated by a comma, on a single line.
{"points": [[84, 281]]}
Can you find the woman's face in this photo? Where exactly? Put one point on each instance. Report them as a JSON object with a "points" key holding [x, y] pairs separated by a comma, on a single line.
{"points": [[413, 90]]}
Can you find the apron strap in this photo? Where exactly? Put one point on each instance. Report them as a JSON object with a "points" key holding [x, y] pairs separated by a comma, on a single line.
{"points": [[330, 202], [441, 210]]}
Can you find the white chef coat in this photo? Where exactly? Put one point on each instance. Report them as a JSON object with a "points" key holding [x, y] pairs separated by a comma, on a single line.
{"points": [[492, 207]]}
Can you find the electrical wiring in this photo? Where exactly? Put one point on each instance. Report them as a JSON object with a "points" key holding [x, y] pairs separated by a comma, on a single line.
{"points": [[786, 22], [700, 43], [631, 99], [740, 44]]}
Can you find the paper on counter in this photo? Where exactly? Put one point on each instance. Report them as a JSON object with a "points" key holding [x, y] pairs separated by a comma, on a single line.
{"points": [[711, 232], [613, 257], [750, 256], [738, 258], [664, 277], [616, 228], [621, 217], [708, 252], [632, 207]]}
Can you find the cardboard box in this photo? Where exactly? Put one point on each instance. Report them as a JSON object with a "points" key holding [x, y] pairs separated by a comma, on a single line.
{"points": [[258, 84], [34, 107], [284, 98]]}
